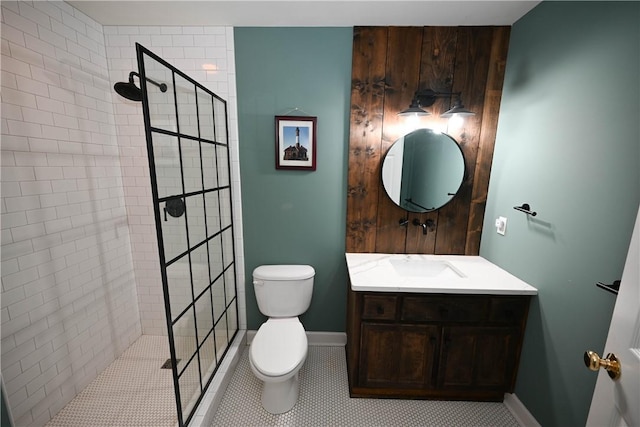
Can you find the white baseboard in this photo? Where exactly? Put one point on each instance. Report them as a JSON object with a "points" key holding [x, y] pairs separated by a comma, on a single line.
{"points": [[327, 339], [519, 411]]}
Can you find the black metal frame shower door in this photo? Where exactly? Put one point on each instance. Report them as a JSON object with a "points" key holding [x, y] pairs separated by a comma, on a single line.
{"points": [[188, 149]]}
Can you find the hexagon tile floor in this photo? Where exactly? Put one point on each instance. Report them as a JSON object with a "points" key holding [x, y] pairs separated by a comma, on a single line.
{"points": [[132, 391], [324, 401]]}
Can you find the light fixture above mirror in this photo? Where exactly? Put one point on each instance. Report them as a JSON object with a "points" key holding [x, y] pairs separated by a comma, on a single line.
{"points": [[427, 97]]}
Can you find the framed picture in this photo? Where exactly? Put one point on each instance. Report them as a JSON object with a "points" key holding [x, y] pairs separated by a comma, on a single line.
{"points": [[296, 142]]}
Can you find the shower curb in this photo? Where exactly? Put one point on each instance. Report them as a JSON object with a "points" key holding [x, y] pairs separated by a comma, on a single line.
{"points": [[210, 402]]}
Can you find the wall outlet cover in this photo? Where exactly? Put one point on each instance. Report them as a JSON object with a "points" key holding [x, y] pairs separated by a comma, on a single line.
{"points": [[501, 225]]}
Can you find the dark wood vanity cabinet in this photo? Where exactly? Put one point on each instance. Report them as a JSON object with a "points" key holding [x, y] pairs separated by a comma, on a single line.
{"points": [[440, 346]]}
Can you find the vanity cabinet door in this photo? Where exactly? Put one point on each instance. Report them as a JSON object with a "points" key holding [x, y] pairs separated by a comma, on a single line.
{"points": [[477, 358], [398, 356]]}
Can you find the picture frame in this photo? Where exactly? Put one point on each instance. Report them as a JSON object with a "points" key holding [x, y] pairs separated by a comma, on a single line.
{"points": [[296, 142]]}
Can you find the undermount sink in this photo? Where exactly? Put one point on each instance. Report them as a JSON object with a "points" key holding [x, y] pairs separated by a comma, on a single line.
{"points": [[448, 274], [418, 267]]}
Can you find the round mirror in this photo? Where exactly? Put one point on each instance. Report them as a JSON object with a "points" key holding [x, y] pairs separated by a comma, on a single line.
{"points": [[423, 170]]}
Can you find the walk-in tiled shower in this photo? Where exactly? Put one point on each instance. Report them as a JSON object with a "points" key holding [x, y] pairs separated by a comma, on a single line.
{"points": [[81, 277]]}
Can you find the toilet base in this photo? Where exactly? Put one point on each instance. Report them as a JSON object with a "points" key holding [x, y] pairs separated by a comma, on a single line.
{"points": [[280, 397]]}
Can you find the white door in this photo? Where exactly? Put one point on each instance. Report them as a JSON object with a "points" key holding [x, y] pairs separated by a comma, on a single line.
{"points": [[617, 403]]}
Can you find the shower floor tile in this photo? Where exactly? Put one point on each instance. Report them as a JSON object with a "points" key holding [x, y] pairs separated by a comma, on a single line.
{"points": [[324, 401], [132, 391]]}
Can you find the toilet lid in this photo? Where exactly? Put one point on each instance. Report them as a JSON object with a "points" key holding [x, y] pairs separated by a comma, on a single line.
{"points": [[279, 346]]}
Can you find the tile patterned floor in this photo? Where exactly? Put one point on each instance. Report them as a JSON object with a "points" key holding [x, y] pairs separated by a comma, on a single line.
{"points": [[324, 401], [131, 382], [134, 391]]}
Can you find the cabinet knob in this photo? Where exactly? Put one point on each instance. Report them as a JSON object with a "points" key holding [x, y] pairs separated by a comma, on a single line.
{"points": [[379, 309]]}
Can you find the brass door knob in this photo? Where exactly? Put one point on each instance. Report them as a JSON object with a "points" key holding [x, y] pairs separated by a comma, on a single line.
{"points": [[610, 364]]}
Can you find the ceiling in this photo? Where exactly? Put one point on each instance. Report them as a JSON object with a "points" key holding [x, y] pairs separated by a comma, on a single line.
{"points": [[304, 13]]}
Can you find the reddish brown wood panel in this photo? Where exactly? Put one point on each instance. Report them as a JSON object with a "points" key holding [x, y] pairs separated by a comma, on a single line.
{"points": [[472, 53], [493, 95], [389, 65], [367, 100], [436, 73], [402, 75]]}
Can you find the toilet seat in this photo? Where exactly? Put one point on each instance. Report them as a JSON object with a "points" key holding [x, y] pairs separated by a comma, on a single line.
{"points": [[280, 345]]}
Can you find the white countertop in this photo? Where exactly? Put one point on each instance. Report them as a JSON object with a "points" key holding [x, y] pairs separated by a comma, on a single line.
{"points": [[375, 273]]}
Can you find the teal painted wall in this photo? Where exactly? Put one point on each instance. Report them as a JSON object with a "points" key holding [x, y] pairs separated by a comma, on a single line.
{"points": [[295, 217], [568, 143]]}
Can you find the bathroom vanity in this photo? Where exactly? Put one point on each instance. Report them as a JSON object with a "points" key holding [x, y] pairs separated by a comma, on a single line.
{"points": [[433, 327]]}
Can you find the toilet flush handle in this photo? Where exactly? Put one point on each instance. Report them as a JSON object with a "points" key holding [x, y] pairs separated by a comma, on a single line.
{"points": [[258, 282]]}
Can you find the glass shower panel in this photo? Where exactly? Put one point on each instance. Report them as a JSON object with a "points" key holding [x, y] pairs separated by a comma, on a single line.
{"points": [[213, 212], [185, 338], [195, 219], [217, 291], [232, 318], [220, 117], [205, 115], [179, 283], [204, 325], [166, 156], [187, 110], [200, 270], [225, 207], [208, 357], [227, 247], [186, 132], [189, 387], [162, 109], [221, 334], [223, 166], [209, 166], [215, 257], [229, 285], [174, 231], [191, 168], [204, 316]]}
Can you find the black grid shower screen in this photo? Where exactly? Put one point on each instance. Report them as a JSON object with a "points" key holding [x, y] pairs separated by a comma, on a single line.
{"points": [[188, 148]]}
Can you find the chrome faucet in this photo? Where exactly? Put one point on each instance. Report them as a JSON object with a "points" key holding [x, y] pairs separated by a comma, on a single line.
{"points": [[429, 224]]}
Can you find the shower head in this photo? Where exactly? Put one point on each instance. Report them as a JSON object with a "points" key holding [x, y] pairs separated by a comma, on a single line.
{"points": [[132, 92], [128, 90]]}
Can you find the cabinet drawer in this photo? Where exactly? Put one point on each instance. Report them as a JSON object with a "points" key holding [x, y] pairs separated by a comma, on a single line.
{"points": [[379, 307], [449, 308], [508, 310]]}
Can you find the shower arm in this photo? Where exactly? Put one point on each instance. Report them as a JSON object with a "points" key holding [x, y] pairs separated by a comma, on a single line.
{"points": [[162, 86]]}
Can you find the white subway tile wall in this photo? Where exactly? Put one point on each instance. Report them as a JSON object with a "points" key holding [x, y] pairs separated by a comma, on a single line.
{"points": [[80, 270], [69, 304]]}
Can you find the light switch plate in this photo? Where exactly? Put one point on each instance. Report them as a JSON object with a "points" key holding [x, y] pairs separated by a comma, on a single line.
{"points": [[501, 225]]}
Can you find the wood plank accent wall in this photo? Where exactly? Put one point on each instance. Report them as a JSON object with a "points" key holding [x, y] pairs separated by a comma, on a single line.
{"points": [[389, 65]]}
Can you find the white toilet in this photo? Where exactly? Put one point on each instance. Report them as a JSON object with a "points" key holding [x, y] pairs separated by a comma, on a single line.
{"points": [[279, 348]]}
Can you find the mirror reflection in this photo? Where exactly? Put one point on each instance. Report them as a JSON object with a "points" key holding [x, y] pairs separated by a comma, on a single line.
{"points": [[423, 170]]}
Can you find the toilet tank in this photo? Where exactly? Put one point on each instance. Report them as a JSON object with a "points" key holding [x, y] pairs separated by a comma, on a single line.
{"points": [[283, 290]]}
